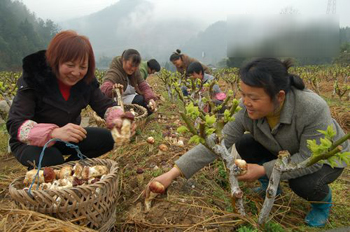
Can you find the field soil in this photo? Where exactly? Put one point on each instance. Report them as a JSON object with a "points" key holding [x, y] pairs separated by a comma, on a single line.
{"points": [[203, 202]]}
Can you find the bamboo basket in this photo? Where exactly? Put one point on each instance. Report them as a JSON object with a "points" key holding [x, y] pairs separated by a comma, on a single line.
{"points": [[90, 205]]}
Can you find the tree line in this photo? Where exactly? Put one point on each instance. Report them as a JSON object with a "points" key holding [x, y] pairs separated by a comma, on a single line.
{"points": [[21, 33]]}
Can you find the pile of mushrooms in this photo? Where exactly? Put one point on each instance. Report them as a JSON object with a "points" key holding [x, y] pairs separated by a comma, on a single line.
{"points": [[67, 176]]}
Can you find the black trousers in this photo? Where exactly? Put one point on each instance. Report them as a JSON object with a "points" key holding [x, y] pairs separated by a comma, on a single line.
{"points": [[140, 100], [312, 187], [98, 141]]}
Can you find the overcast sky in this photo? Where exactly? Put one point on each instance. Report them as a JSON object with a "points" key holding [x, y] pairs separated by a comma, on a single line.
{"points": [[208, 11]]}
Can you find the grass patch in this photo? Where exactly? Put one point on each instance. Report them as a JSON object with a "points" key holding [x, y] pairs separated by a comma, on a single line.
{"points": [[4, 138]]}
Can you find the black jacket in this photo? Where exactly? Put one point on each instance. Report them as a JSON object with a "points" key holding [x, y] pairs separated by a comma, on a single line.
{"points": [[39, 99]]}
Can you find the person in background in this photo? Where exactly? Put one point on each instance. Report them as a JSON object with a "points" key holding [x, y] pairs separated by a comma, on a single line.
{"points": [[181, 62], [124, 70], [149, 67], [196, 71], [55, 86], [280, 114]]}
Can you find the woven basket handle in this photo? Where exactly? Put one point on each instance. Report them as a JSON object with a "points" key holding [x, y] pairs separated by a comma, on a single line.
{"points": [[79, 154]]}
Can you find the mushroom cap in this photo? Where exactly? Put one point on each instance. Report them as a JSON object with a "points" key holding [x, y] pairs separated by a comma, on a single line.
{"points": [[128, 115], [241, 163], [139, 171], [49, 174], [156, 187], [163, 147], [150, 140]]}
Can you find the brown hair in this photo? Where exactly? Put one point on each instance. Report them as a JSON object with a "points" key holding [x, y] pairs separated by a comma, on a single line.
{"points": [[69, 46]]}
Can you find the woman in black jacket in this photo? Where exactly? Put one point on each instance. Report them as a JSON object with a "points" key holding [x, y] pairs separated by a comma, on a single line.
{"points": [[55, 86]]}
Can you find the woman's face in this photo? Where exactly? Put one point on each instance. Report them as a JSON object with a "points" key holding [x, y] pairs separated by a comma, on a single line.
{"points": [[71, 72], [258, 102], [178, 63], [129, 67]]}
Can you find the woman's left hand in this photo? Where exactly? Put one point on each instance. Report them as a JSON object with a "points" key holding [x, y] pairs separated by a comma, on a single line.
{"points": [[254, 172]]}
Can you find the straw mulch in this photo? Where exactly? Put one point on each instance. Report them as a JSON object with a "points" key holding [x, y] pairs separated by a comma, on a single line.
{"points": [[12, 219]]}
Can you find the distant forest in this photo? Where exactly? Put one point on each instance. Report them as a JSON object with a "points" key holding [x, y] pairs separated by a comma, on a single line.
{"points": [[21, 33]]}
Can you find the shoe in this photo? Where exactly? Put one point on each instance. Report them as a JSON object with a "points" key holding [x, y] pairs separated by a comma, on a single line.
{"points": [[318, 216], [264, 183]]}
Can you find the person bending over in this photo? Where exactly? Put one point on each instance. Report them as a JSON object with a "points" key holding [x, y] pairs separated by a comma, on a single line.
{"points": [[124, 70]]}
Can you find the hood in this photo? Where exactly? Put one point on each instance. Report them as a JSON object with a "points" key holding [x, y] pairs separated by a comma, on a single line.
{"points": [[36, 72]]}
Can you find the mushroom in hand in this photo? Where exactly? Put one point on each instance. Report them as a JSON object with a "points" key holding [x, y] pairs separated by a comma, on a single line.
{"points": [[155, 188]]}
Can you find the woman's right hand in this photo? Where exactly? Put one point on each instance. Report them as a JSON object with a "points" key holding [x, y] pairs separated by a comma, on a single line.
{"points": [[69, 133], [165, 179]]}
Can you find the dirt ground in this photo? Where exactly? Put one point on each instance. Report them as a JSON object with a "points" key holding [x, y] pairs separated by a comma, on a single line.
{"points": [[203, 202]]}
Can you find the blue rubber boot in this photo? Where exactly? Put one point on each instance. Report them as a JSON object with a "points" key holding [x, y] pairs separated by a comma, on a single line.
{"points": [[319, 213], [264, 183]]}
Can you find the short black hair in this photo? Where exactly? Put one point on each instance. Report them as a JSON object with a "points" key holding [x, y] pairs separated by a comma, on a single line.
{"points": [[153, 65], [194, 67]]}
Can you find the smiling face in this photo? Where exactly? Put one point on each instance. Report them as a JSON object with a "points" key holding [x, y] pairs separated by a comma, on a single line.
{"points": [[129, 67], [258, 102], [71, 72]]}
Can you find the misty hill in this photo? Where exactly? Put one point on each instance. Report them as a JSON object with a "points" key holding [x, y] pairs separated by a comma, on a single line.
{"points": [[209, 46], [131, 24], [21, 33]]}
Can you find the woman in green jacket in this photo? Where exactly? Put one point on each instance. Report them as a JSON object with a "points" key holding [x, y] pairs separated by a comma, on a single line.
{"points": [[148, 68]]}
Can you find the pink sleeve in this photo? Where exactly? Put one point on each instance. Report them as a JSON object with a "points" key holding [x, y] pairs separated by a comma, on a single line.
{"points": [[148, 93], [35, 134], [220, 96], [107, 88], [111, 114]]}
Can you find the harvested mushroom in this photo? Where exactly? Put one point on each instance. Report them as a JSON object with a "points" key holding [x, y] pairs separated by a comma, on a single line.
{"points": [[162, 149], [180, 143], [152, 106], [28, 179], [67, 182], [150, 141], [77, 181], [49, 174], [93, 172], [240, 167], [78, 169], [65, 171], [155, 188], [124, 135], [93, 180]]}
